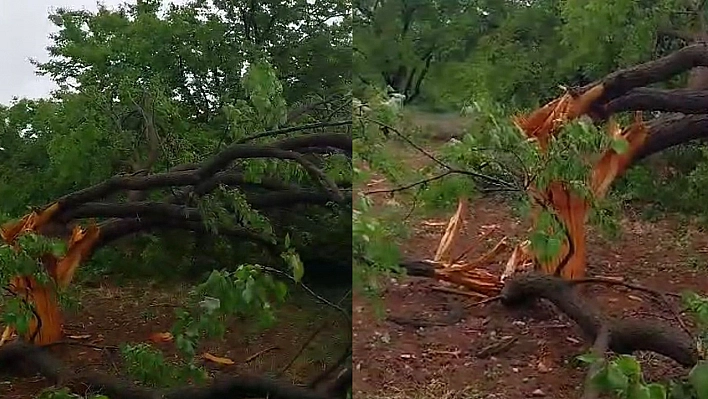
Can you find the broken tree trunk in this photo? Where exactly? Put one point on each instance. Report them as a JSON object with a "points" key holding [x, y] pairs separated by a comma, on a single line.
{"points": [[46, 325], [618, 92]]}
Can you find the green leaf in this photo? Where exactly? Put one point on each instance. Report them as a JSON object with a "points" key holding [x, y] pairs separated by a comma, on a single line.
{"points": [[657, 391], [588, 358], [638, 391], [629, 366], [698, 378], [297, 266], [553, 246], [281, 290], [611, 378], [619, 145]]}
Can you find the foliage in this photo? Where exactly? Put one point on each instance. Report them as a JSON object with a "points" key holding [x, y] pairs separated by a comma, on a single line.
{"points": [[375, 231], [397, 41], [622, 377], [509, 51], [673, 181], [517, 53], [150, 86], [247, 292], [148, 365]]}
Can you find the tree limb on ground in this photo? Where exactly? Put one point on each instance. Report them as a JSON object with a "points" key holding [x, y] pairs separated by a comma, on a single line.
{"points": [[19, 357], [625, 335]]}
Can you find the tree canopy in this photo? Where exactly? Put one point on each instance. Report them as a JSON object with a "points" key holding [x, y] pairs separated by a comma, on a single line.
{"points": [[511, 50]]}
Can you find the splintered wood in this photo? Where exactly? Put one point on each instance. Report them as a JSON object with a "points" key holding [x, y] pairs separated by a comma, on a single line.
{"points": [[42, 297], [540, 126], [468, 275]]}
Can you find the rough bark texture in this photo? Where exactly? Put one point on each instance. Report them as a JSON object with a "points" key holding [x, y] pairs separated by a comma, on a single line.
{"points": [[625, 90]]}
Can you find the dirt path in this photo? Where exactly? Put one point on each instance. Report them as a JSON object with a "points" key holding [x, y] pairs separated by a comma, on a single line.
{"points": [[112, 316], [406, 362]]}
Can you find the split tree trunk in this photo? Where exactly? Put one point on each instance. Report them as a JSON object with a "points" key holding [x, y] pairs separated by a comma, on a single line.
{"points": [[685, 119], [46, 324]]}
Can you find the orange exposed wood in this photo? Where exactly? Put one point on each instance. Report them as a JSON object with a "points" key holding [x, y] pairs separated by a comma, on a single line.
{"points": [[469, 275], [80, 246], [42, 297], [45, 303], [444, 251], [571, 209]]}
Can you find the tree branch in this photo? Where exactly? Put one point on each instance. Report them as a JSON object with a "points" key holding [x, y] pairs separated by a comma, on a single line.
{"points": [[283, 131], [620, 82], [206, 175], [686, 101]]}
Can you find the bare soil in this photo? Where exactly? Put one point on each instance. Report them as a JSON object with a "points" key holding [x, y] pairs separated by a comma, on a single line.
{"points": [[112, 315]]}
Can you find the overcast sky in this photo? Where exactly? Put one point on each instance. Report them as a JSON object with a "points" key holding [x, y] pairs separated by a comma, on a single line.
{"points": [[24, 34]]}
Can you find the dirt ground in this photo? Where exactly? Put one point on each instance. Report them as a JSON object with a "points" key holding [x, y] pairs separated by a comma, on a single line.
{"points": [[401, 361], [393, 361], [112, 315]]}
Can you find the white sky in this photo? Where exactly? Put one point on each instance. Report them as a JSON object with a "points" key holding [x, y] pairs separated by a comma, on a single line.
{"points": [[24, 35]]}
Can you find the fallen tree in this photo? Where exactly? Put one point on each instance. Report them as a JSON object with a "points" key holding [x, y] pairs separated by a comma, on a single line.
{"points": [[625, 335], [621, 335], [179, 210]]}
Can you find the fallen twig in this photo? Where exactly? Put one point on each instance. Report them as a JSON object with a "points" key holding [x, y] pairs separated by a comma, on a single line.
{"points": [[259, 353], [410, 185], [483, 301], [496, 348], [304, 345], [455, 315]]}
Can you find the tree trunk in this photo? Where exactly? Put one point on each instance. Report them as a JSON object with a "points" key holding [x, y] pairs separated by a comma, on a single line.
{"points": [[46, 324], [685, 119]]}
